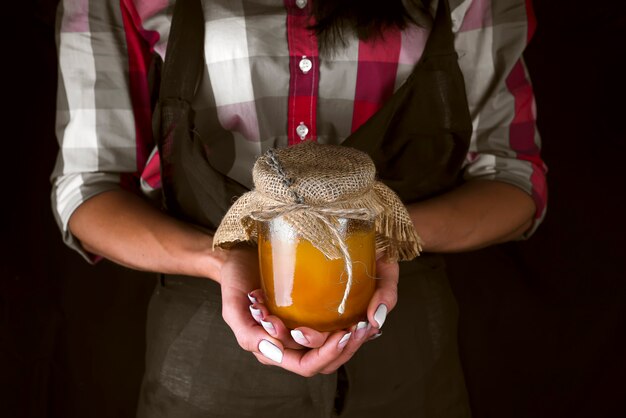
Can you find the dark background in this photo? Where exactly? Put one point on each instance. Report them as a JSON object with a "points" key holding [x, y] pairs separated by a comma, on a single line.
{"points": [[543, 322]]}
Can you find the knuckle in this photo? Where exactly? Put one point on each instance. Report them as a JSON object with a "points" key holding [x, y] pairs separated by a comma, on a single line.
{"points": [[307, 370], [393, 291], [329, 370], [349, 352], [227, 315], [393, 296], [390, 297], [244, 337], [307, 373], [244, 342]]}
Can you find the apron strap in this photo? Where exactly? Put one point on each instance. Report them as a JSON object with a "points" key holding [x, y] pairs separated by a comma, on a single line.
{"points": [[419, 139], [441, 38], [184, 59]]}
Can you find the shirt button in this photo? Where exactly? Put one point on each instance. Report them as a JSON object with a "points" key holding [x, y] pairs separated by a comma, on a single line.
{"points": [[305, 65], [301, 3], [302, 130]]}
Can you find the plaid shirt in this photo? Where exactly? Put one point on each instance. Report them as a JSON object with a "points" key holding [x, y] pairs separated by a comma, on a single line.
{"points": [[268, 85]]}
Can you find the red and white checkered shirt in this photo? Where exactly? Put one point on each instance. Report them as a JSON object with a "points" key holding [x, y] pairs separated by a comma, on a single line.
{"points": [[269, 86]]}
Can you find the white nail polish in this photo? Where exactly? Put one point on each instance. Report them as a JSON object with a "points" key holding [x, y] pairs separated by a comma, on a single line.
{"points": [[269, 327], [256, 313], [380, 315], [361, 328], [344, 340], [373, 337], [252, 298], [270, 351], [299, 337]]}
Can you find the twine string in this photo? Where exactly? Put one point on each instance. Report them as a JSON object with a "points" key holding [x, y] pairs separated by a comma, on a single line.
{"points": [[347, 261], [274, 163]]}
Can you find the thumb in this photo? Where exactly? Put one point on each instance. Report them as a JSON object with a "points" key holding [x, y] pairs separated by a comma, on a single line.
{"points": [[386, 294]]}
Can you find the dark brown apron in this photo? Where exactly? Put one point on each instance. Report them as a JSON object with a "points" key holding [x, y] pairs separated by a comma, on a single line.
{"points": [[194, 367]]}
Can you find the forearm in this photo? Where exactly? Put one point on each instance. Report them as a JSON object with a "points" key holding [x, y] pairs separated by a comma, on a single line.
{"points": [[477, 214], [126, 229]]}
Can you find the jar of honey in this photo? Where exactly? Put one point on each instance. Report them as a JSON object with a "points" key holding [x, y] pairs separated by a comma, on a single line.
{"points": [[303, 287], [320, 219]]}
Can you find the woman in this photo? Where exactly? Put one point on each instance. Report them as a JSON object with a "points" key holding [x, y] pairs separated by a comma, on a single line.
{"points": [[274, 73]]}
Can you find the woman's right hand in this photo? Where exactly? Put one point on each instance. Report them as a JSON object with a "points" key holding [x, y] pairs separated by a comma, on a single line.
{"points": [[267, 338]]}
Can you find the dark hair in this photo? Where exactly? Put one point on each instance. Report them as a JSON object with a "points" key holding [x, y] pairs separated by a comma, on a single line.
{"points": [[367, 19]]}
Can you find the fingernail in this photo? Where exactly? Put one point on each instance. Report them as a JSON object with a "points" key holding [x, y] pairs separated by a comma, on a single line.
{"points": [[373, 337], [344, 340], [269, 327], [361, 329], [270, 351], [256, 313], [380, 315], [252, 298], [299, 337]]}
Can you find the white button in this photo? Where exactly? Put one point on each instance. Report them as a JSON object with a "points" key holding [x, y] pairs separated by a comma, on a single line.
{"points": [[302, 130], [305, 64], [301, 3]]}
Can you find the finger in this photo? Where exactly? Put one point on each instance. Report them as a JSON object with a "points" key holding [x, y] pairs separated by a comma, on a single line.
{"points": [[308, 363], [275, 327], [362, 330], [249, 334], [361, 333], [272, 354], [251, 298], [338, 348], [259, 311], [256, 312], [373, 337], [308, 337], [256, 296], [386, 294]]}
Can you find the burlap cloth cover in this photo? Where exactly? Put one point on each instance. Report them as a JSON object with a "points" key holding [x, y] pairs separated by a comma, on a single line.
{"points": [[311, 185]]}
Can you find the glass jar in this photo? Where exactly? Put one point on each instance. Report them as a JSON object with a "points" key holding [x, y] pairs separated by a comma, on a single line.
{"points": [[305, 288]]}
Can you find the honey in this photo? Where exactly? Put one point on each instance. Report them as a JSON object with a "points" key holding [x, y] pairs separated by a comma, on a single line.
{"points": [[305, 288]]}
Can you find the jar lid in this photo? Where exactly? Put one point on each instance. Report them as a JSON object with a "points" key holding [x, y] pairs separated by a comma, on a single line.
{"points": [[316, 174]]}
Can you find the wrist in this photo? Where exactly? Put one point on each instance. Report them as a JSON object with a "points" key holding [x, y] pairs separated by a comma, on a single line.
{"points": [[429, 223], [203, 260], [242, 257], [477, 214]]}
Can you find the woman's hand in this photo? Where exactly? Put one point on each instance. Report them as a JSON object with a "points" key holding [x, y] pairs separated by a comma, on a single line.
{"points": [[303, 351]]}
